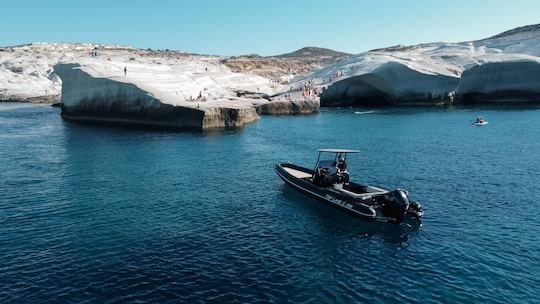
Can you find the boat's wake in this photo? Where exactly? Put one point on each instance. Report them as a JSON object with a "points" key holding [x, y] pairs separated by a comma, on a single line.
{"points": [[364, 112]]}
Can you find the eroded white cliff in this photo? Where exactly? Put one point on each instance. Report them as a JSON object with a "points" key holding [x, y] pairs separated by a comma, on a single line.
{"points": [[436, 73], [188, 93]]}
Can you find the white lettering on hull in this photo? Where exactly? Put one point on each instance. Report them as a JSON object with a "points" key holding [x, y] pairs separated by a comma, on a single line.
{"points": [[373, 215], [338, 201]]}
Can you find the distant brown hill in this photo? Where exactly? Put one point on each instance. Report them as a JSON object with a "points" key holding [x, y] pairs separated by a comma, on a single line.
{"points": [[298, 62], [314, 53]]}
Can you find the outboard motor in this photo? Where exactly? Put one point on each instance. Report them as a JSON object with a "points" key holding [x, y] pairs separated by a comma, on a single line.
{"points": [[415, 210], [396, 204]]}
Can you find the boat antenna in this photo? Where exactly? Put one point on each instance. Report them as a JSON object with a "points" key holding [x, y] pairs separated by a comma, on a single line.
{"points": [[318, 158]]}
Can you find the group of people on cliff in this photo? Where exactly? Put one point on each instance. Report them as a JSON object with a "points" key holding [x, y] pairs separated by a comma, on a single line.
{"points": [[337, 73], [309, 89], [201, 97]]}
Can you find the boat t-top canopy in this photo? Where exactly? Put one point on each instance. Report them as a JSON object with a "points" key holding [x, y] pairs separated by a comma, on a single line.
{"points": [[337, 151]]}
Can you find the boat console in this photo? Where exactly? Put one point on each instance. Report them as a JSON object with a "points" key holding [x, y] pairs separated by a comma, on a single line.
{"points": [[330, 172]]}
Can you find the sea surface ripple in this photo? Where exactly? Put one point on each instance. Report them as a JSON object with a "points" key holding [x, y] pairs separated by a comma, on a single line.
{"points": [[113, 215]]}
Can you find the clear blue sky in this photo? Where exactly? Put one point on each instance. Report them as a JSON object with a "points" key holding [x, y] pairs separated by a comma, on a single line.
{"points": [[266, 27]]}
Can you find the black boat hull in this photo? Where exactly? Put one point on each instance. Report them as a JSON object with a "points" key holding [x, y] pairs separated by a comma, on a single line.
{"points": [[362, 201], [329, 196]]}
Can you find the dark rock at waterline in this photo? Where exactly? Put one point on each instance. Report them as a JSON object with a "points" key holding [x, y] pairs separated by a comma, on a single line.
{"points": [[289, 107]]}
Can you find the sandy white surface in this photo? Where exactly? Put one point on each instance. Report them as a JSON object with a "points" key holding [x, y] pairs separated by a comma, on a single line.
{"points": [[173, 77]]}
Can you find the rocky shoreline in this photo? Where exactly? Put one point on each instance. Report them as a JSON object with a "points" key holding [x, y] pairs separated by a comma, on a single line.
{"points": [[35, 99], [179, 90]]}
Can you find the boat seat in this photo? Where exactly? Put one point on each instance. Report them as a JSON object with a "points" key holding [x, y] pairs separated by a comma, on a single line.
{"points": [[355, 195], [297, 173]]}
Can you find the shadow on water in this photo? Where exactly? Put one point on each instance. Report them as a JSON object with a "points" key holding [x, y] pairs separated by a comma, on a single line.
{"points": [[347, 225], [131, 128]]}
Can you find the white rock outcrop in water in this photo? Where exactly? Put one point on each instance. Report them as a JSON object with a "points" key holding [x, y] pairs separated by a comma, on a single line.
{"points": [[192, 92]]}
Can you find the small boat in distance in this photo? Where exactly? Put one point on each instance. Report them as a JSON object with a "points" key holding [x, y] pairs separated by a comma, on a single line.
{"points": [[480, 121], [329, 182]]}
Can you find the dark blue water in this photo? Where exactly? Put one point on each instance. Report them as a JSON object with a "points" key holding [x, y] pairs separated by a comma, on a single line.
{"points": [[93, 214]]}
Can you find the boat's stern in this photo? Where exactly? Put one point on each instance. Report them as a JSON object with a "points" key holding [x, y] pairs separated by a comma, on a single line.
{"points": [[398, 206]]}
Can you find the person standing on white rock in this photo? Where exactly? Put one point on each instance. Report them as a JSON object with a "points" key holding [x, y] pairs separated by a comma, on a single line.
{"points": [[125, 71]]}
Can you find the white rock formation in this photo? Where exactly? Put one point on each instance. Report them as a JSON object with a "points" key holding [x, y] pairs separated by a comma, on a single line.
{"points": [[508, 81], [178, 89], [195, 92], [27, 74], [505, 66]]}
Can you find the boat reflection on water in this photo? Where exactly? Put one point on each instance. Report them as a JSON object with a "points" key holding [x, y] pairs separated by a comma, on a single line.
{"points": [[342, 224]]}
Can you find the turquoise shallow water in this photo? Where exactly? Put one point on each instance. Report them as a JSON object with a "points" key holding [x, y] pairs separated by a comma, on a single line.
{"points": [[105, 214]]}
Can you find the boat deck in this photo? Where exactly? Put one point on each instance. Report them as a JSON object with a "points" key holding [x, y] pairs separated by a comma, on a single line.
{"points": [[297, 173], [350, 189]]}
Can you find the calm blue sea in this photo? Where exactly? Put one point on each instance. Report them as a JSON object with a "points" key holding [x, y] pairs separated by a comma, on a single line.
{"points": [[107, 215]]}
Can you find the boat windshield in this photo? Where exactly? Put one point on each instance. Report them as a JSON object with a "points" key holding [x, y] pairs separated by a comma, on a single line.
{"points": [[340, 157]]}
